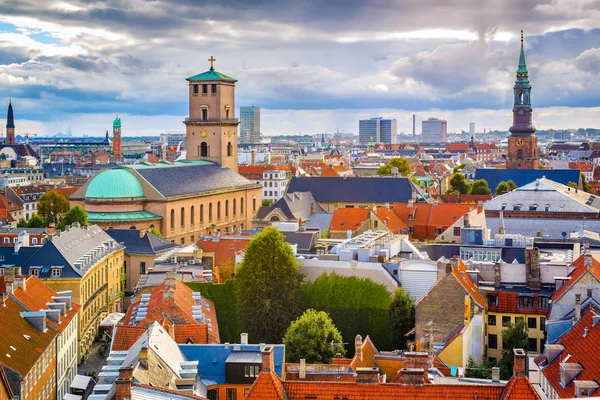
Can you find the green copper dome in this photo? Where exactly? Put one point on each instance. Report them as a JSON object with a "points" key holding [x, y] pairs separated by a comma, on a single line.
{"points": [[117, 123], [114, 184]]}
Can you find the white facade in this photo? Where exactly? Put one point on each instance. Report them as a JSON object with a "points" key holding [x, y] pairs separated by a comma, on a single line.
{"points": [[274, 183], [250, 125], [434, 131], [66, 357]]}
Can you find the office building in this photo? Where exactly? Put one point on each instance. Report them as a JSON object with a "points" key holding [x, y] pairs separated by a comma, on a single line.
{"points": [[472, 128], [250, 125], [377, 130], [434, 131]]}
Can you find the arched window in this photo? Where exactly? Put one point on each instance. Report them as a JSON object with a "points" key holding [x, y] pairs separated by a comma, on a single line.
{"points": [[182, 216], [218, 210], [132, 227], [201, 213], [274, 218], [226, 208], [234, 207], [203, 149], [229, 149], [241, 205], [192, 216], [172, 219], [520, 97], [210, 211], [227, 114]]}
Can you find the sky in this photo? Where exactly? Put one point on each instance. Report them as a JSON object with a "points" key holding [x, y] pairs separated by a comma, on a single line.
{"points": [[312, 66]]}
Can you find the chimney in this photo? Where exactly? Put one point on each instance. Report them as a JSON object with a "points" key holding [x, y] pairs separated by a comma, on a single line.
{"points": [[253, 154], [267, 358], [577, 307], [244, 338], [172, 331], [142, 233], [497, 275], [143, 356], [587, 255], [519, 362], [411, 376], [533, 278], [123, 384], [495, 374], [302, 372], [4, 296], [467, 223], [10, 273], [418, 360], [312, 208], [448, 268], [20, 283], [9, 288], [358, 347], [501, 223], [367, 375]]}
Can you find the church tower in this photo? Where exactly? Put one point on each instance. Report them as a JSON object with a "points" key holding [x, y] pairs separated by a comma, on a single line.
{"points": [[522, 142], [117, 151], [10, 125], [211, 129]]}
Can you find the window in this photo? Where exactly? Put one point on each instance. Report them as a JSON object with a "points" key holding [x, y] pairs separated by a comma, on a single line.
{"points": [[214, 88], [251, 371], [229, 149], [492, 320], [241, 205], [142, 267], [15, 240], [547, 207], [192, 215], [125, 266], [205, 114], [493, 341], [192, 239], [210, 211], [213, 394], [246, 391], [203, 149], [218, 210], [525, 302], [204, 89], [517, 207], [231, 394], [55, 272], [493, 299], [195, 89], [182, 217], [254, 204], [266, 193], [7, 240], [34, 240], [532, 344], [532, 207], [457, 231], [172, 219], [543, 302], [234, 206], [226, 208], [182, 241], [505, 320], [532, 323], [543, 324], [34, 271]]}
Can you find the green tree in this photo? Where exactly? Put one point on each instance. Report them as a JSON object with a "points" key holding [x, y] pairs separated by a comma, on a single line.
{"points": [[313, 337], [506, 186], [51, 206], [481, 370], [402, 317], [400, 163], [155, 231], [459, 183], [36, 221], [21, 223], [586, 187], [269, 286], [572, 185], [267, 202], [458, 168], [480, 186], [75, 214], [513, 337]]}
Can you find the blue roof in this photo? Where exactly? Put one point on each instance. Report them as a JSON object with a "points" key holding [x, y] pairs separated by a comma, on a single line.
{"points": [[134, 244], [212, 357], [10, 258], [49, 256], [522, 177], [355, 189]]}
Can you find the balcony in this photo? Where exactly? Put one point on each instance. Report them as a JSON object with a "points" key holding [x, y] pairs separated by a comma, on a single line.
{"points": [[224, 120]]}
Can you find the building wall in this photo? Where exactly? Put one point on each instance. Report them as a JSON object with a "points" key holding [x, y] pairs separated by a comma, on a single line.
{"points": [[522, 153], [134, 267], [36, 386], [66, 350], [222, 389], [369, 130], [250, 124], [434, 130], [534, 333], [566, 303]]}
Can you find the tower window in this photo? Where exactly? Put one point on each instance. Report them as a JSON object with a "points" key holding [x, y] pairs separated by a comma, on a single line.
{"points": [[520, 97], [214, 88], [520, 154], [210, 211], [192, 216], [204, 89], [195, 89], [205, 114], [226, 208], [203, 149], [201, 213], [218, 210], [172, 219], [226, 114], [229, 149]]}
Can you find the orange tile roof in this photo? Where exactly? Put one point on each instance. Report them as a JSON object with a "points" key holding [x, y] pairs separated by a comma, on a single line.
{"points": [[583, 350], [579, 271], [427, 218], [224, 250], [344, 219], [519, 388], [367, 360], [328, 171], [341, 361], [465, 280], [508, 302], [126, 336], [267, 386], [390, 220]]}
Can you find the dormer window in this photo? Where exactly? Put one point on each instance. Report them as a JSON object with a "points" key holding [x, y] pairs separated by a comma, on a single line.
{"points": [[492, 299], [55, 272], [34, 271]]}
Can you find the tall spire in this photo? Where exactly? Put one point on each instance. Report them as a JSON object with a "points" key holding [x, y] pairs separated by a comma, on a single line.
{"points": [[10, 119], [522, 70]]}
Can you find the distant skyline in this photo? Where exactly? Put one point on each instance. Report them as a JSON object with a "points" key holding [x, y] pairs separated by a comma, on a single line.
{"points": [[311, 66]]}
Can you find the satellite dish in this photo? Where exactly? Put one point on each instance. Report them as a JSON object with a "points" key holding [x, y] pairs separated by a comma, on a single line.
{"points": [[564, 235]]}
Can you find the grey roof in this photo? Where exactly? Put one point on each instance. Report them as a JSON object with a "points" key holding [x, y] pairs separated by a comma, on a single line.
{"points": [[304, 240], [544, 193], [319, 220], [245, 357], [356, 189], [134, 244], [548, 227], [190, 178]]}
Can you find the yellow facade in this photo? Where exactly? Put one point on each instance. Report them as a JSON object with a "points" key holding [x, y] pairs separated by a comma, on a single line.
{"points": [[98, 293], [495, 324]]}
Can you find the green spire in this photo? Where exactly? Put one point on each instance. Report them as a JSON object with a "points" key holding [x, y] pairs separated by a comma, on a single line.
{"points": [[117, 123], [522, 70]]}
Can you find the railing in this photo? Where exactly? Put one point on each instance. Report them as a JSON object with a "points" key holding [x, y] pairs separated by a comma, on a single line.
{"points": [[212, 120]]}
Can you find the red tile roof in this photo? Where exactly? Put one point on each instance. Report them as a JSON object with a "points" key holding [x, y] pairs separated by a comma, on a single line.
{"points": [[579, 271], [390, 220], [428, 218], [344, 219], [458, 147], [224, 250], [126, 336], [267, 386], [508, 302], [583, 348], [519, 388], [368, 352], [465, 280]]}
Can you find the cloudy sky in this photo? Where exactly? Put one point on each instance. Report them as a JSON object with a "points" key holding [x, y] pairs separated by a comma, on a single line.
{"points": [[312, 66]]}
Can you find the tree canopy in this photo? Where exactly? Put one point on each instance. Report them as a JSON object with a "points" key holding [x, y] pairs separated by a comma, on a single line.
{"points": [[51, 206], [313, 337], [458, 184], [513, 337], [402, 317], [505, 187], [75, 214], [269, 286], [35, 221], [480, 186], [397, 162], [586, 186]]}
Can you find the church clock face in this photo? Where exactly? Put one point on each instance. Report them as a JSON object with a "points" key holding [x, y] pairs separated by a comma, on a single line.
{"points": [[520, 142], [203, 134]]}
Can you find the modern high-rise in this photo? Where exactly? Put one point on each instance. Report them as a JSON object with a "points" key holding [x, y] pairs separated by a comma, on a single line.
{"points": [[377, 130], [472, 128], [434, 131], [250, 125]]}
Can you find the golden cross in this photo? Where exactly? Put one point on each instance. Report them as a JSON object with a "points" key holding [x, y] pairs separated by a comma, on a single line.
{"points": [[212, 61]]}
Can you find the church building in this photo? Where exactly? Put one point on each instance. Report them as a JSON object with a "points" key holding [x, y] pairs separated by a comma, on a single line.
{"points": [[11, 149], [184, 200]]}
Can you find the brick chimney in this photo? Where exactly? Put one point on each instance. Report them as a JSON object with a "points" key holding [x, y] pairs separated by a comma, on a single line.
{"points": [[358, 347], [418, 360], [467, 223], [411, 376], [577, 316], [302, 371], [123, 384], [448, 268], [20, 283], [587, 255], [367, 375], [533, 278], [497, 276], [519, 362], [267, 358]]}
